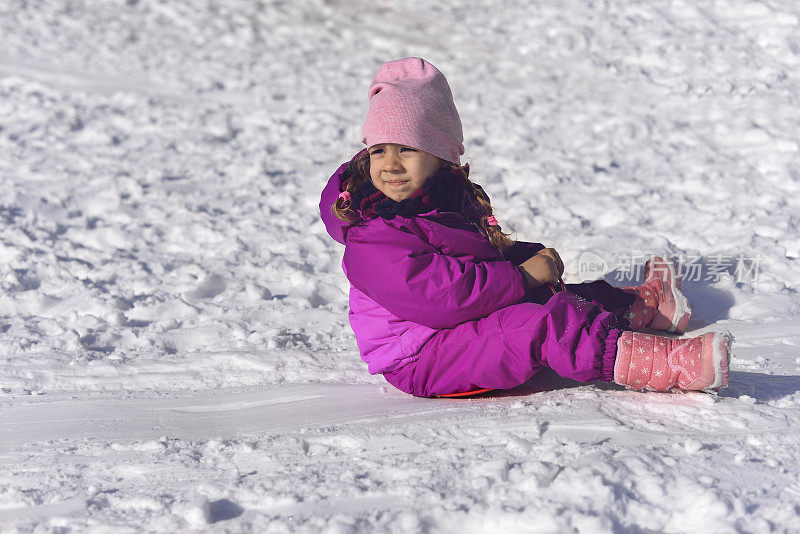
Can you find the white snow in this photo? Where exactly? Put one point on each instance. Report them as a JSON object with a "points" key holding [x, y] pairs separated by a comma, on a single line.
{"points": [[174, 346]]}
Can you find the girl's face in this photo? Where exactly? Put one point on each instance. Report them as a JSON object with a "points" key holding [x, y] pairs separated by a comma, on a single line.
{"points": [[398, 171]]}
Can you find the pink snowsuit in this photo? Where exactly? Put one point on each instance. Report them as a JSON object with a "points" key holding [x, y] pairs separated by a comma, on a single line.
{"points": [[437, 309]]}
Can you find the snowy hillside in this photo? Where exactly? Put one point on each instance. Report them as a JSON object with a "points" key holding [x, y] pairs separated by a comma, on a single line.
{"points": [[174, 345]]}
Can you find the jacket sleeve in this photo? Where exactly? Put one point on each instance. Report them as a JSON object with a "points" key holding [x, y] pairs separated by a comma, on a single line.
{"points": [[416, 282]]}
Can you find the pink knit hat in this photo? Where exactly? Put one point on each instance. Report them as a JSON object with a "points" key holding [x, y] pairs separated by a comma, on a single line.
{"points": [[410, 104]]}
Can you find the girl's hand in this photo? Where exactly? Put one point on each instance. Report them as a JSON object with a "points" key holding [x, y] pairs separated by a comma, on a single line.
{"points": [[553, 255], [541, 269]]}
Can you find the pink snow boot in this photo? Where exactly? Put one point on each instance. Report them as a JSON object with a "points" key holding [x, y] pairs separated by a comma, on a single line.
{"points": [[647, 361], [660, 304]]}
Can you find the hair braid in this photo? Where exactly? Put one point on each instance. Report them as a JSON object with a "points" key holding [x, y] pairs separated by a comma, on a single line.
{"points": [[497, 238], [354, 176]]}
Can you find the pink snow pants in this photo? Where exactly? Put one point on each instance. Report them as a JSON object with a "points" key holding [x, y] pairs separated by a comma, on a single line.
{"points": [[574, 336]]}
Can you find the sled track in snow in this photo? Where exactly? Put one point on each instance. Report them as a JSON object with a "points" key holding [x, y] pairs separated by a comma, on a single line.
{"points": [[209, 415]]}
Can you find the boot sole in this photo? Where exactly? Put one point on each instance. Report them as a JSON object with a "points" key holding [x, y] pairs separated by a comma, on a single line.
{"points": [[721, 360], [683, 312]]}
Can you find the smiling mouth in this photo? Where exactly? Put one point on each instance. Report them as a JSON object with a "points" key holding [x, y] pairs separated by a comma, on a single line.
{"points": [[396, 182]]}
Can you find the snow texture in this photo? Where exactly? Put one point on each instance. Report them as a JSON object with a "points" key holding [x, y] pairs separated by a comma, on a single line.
{"points": [[174, 347]]}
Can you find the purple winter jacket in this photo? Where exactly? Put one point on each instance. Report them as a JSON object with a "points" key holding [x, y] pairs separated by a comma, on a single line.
{"points": [[412, 277]]}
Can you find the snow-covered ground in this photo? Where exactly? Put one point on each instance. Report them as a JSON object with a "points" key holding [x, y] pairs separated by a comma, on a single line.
{"points": [[174, 347]]}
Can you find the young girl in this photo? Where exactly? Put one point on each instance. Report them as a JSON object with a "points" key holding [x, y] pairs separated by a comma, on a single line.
{"points": [[442, 302]]}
